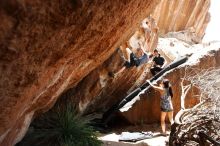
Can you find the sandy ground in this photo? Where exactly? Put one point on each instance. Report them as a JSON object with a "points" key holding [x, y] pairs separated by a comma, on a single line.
{"points": [[112, 138]]}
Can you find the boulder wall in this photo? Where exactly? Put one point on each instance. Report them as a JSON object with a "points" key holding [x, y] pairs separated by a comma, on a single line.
{"points": [[49, 46]]}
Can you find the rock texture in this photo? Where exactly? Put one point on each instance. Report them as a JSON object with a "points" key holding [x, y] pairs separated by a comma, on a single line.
{"points": [[102, 92], [50, 46], [172, 15], [186, 36], [147, 110]]}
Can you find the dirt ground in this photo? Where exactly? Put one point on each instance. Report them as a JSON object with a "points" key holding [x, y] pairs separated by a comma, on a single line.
{"points": [[112, 138]]}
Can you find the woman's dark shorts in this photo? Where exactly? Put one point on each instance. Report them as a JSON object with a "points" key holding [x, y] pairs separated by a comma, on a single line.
{"points": [[166, 110]]}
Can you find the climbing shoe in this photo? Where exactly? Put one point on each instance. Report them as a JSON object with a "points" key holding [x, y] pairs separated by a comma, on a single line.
{"points": [[111, 74]]}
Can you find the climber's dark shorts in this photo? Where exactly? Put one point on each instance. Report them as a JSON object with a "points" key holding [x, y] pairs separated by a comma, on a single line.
{"points": [[154, 70], [133, 61]]}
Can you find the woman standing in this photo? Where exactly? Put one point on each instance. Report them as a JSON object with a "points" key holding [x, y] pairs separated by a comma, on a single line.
{"points": [[165, 102]]}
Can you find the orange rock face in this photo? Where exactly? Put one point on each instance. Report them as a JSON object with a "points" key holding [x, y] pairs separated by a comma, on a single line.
{"points": [[50, 46], [54, 47], [192, 15]]}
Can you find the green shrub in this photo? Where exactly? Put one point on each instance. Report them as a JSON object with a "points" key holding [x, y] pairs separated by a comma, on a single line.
{"points": [[60, 127]]}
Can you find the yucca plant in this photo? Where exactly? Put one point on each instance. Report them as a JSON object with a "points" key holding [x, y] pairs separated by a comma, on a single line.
{"points": [[60, 127]]}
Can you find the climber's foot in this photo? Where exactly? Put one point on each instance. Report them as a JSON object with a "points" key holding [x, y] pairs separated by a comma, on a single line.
{"points": [[118, 49], [111, 74]]}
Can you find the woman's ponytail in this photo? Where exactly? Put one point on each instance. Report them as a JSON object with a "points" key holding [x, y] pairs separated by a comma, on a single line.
{"points": [[167, 85], [171, 92]]}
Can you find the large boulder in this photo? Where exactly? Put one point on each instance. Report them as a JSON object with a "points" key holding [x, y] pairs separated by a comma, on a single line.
{"points": [[54, 47], [50, 46]]}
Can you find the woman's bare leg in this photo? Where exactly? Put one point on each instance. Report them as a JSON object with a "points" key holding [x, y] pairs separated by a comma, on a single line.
{"points": [[162, 121], [170, 116]]}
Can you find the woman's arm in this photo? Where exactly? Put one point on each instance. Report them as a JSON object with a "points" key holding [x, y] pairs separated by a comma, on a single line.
{"points": [[155, 87]]}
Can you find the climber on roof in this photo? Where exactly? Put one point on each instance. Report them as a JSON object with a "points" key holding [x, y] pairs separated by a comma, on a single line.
{"points": [[133, 60]]}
